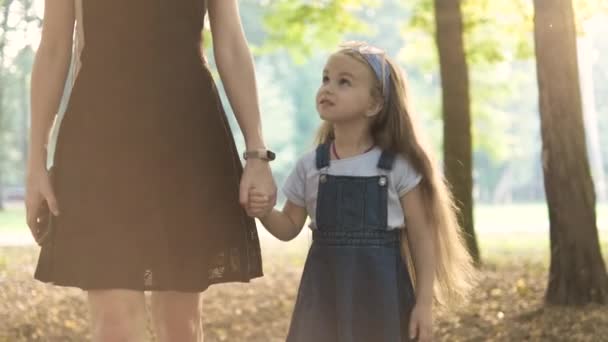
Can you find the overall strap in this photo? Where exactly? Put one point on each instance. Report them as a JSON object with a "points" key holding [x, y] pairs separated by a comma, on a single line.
{"points": [[322, 156], [386, 161]]}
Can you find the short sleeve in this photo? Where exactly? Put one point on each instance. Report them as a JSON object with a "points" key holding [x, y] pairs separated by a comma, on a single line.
{"points": [[405, 177], [295, 184]]}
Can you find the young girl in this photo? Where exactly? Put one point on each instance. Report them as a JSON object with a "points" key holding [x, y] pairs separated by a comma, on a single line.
{"points": [[367, 180]]}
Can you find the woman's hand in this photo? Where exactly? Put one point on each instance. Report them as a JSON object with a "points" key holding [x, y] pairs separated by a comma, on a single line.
{"points": [[40, 202], [421, 323], [259, 204], [257, 175]]}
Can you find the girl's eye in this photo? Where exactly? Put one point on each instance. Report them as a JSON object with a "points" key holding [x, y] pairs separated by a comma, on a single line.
{"points": [[325, 79], [344, 81]]}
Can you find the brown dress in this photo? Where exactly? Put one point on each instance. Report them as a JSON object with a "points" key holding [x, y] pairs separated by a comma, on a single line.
{"points": [[145, 171]]}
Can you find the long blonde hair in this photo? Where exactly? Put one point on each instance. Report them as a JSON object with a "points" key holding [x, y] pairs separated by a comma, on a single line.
{"points": [[395, 129]]}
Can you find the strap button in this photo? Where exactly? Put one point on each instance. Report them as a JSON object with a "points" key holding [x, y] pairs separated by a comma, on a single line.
{"points": [[382, 181]]}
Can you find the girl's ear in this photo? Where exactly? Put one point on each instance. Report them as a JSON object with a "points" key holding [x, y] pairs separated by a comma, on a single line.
{"points": [[375, 108]]}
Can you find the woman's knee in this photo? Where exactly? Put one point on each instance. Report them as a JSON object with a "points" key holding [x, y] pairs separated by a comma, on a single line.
{"points": [[117, 315], [177, 315], [170, 303]]}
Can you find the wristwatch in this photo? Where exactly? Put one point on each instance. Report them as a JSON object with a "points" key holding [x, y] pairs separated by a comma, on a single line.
{"points": [[263, 154]]}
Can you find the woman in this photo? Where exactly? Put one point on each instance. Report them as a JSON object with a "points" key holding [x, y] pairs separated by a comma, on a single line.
{"points": [[144, 190]]}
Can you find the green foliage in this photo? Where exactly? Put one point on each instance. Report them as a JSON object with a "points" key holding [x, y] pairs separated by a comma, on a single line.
{"points": [[15, 18], [16, 100], [585, 9], [497, 38], [13, 220], [290, 38], [493, 29], [498, 30], [303, 28]]}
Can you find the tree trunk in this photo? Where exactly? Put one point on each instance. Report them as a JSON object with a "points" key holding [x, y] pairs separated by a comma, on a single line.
{"points": [[457, 144], [577, 274]]}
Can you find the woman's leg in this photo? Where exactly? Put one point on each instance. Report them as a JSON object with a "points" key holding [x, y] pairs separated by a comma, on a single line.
{"points": [[177, 316], [117, 315]]}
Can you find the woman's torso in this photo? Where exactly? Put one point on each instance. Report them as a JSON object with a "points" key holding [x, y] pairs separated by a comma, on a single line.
{"points": [[137, 76]]}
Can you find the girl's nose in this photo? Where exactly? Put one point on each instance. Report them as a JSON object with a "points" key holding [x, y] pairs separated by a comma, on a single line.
{"points": [[326, 88]]}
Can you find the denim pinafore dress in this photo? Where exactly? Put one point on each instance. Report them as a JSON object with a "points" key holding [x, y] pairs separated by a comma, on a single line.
{"points": [[355, 286]]}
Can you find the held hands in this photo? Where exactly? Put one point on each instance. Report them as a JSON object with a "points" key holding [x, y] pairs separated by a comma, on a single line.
{"points": [[258, 192], [421, 323], [40, 203], [260, 205]]}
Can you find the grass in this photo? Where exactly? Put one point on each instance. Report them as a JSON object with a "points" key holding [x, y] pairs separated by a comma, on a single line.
{"points": [[524, 217], [491, 218], [496, 249], [12, 219], [516, 231], [512, 229]]}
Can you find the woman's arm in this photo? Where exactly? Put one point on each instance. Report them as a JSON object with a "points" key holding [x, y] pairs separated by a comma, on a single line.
{"points": [[421, 245], [235, 66], [286, 224], [49, 74]]}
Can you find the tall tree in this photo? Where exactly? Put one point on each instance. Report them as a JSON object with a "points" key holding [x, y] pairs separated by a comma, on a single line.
{"points": [[577, 274], [457, 142]]}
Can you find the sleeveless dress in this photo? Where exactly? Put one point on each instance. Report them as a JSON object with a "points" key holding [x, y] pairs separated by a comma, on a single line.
{"points": [[145, 169]]}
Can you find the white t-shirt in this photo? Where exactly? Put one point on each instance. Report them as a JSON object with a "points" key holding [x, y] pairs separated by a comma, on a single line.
{"points": [[302, 184]]}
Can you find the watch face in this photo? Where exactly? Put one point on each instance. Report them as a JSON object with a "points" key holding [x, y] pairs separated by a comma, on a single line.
{"points": [[262, 154]]}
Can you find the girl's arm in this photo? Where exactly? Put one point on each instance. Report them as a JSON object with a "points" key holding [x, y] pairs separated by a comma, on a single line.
{"points": [[423, 255], [49, 74], [286, 224], [421, 245]]}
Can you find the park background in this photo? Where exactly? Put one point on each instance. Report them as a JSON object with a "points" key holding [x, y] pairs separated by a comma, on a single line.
{"points": [[484, 109]]}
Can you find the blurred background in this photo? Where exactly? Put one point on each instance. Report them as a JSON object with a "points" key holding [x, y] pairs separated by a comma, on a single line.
{"points": [[475, 62]]}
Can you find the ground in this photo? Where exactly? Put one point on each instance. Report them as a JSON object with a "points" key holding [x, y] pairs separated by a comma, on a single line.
{"points": [[507, 304]]}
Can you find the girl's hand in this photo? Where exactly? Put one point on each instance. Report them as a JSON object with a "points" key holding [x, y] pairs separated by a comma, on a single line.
{"points": [[421, 323], [259, 204], [257, 174], [40, 202]]}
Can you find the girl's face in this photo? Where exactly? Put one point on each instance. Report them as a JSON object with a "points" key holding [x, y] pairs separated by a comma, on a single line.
{"points": [[345, 92]]}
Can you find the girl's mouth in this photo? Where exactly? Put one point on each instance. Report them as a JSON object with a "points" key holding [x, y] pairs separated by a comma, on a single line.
{"points": [[325, 102]]}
